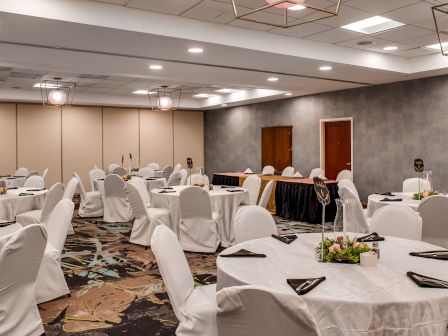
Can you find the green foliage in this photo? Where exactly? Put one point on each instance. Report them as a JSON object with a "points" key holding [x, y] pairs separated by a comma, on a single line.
{"points": [[342, 251]]}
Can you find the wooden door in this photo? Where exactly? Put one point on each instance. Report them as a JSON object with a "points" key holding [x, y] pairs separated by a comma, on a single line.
{"points": [[338, 147], [276, 147]]}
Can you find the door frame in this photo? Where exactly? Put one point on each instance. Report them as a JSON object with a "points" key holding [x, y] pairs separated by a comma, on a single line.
{"points": [[322, 123]]}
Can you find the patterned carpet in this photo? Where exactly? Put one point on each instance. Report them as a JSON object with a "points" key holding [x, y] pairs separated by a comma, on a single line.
{"points": [[116, 287]]}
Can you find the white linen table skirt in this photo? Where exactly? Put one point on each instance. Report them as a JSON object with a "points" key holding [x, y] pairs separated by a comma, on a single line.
{"points": [[11, 204], [224, 203], [353, 300], [374, 202], [13, 182]]}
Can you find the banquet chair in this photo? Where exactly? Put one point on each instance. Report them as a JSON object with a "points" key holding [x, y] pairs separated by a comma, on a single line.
{"points": [[34, 181], [146, 172], [252, 184], [112, 167], [411, 185], [288, 171], [297, 174], [154, 166], [198, 227], [174, 179], [317, 172], [45, 173], [50, 283], [349, 184], [194, 307], [344, 175], [116, 205], [120, 171], [397, 221], [22, 171], [96, 174], [177, 167], [54, 195], [260, 311], [70, 189], [146, 219], [167, 171], [253, 222], [268, 170], [91, 204], [198, 179], [20, 259], [434, 211], [143, 190], [31, 173], [266, 195], [359, 222], [184, 174]]}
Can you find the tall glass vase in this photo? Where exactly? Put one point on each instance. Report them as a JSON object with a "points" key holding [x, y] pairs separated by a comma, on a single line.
{"points": [[338, 220]]}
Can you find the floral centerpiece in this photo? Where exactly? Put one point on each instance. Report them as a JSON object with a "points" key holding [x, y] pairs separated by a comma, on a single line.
{"points": [[342, 251], [422, 195], [127, 177]]}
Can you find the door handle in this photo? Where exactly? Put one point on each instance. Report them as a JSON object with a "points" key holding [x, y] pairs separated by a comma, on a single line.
{"points": [[348, 163]]}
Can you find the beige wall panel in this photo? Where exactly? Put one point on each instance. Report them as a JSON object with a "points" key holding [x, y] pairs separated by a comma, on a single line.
{"points": [[81, 141], [156, 137], [7, 139], [120, 134], [189, 137], [39, 140]]}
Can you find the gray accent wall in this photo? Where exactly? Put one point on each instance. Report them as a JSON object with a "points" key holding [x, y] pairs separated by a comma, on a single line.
{"points": [[393, 124]]}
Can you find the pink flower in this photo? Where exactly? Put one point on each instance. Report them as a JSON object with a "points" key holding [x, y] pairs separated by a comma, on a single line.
{"points": [[334, 248], [357, 245], [340, 238]]}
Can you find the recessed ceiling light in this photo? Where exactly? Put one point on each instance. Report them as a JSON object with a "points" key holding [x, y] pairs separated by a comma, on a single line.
{"points": [[372, 25], [156, 67], [288, 94], [296, 7], [225, 90], [325, 68], [196, 50], [390, 48], [143, 92], [46, 85], [437, 46], [204, 95], [272, 79], [224, 105]]}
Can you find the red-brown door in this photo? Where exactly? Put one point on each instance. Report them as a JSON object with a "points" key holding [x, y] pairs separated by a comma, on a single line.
{"points": [[276, 147], [338, 148]]}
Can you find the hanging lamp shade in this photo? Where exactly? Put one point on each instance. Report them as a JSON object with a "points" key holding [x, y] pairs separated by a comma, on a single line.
{"points": [[57, 93], [168, 99], [165, 103], [440, 16], [57, 97]]}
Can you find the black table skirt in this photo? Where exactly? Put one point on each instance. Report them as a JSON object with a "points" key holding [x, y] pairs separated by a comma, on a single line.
{"points": [[298, 201], [225, 180]]}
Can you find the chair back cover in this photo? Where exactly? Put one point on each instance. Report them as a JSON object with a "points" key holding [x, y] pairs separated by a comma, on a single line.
{"points": [[175, 179], [434, 212], [141, 186], [135, 198], [20, 259], [253, 222], [173, 267], [71, 188], [358, 222], [54, 195], [252, 184], [120, 171], [82, 191], [184, 174], [265, 196], [288, 171], [268, 170], [411, 185], [95, 174], [112, 167], [22, 171], [58, 224], [198, 179], [154, 166], [34, 181], [32, 173], [397, 221], [349, 184], [345, 175], [146, 172], [260, 311], [116, 204], [177, 168], [45, 173], [317, 172], [167, 171]]}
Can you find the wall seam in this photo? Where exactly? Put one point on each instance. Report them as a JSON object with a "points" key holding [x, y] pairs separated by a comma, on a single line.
{"points": [[17, 136], [62, 152]]}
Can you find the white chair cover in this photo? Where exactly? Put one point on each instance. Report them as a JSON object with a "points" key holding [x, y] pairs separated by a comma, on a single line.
{"points": [[175, 179], [45, 173], [349, 184], [71, 188], [359, 222], [95, 174], [22, 171], [259, 311], [253, 222], [268, 170], [198, 229], [264, 199], [397, 221], [50, 283], [345, 175], [141, 186], [53, 197], [288, 171], [198, 179], [184, 174], [31, 173], [252, 184], [167, 171], [434, 212], [297, 174], [146, 219], [146, 172], [34, 181], [195, 308], [120, 171], [411, 185], [91, 204], [116, 205], [154, 166], [112, 167], [317, 172], [20, 259], [177, 168]]}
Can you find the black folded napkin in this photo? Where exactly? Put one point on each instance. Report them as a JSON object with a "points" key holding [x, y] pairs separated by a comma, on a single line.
{"points": [[243, 254], [18, 176], [100, 179], [12, 188], [303, 286], [151, 179], [285, 239], [227, 187], [11, 178], [235, 190], [427, 282], [440, 255], [5, 176], [167, 191], [36, 189], [166, 188], [26, 194], [373, 237], [386, 194], [6, 223], [387, 199]]}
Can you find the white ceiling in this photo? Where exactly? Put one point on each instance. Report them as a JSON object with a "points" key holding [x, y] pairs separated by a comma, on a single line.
{"points": [[106, 46]]}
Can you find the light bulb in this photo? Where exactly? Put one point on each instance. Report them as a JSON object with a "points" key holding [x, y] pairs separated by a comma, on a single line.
{"points": [[291, 4], [57, 97], [165, 103]]}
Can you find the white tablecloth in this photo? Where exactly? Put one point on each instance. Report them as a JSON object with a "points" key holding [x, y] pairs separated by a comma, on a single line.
{"points": [[374, 202], [353, 300], [223, 202], [150, 184], [11, 204], [13, 182]]}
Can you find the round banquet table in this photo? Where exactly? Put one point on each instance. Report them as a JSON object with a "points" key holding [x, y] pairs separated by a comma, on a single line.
{"points": [[14, 181], [224, 203], [150, 184], [374, 202], [11, 204], [353, 300]]}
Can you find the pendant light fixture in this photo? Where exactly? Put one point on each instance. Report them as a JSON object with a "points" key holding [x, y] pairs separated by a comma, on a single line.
{"points": [[440, 16], [168, 99], [57, 93]]}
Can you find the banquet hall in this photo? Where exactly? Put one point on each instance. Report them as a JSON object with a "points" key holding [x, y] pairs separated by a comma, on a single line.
{"points": [[223, 167]]}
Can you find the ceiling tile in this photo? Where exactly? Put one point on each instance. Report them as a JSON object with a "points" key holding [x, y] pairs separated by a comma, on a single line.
{"points": [[114, 2], [415, 52], [175, 7], [422, 41], [250, 25], [410, 14], [334, 36], [403, 33], [379, 6], [210, 10], [346, 15], [428, 24], [301, 31]]}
